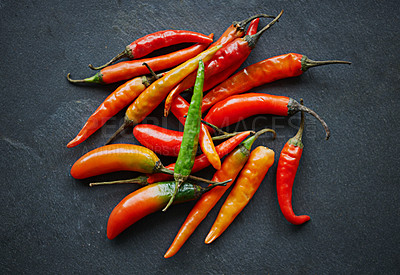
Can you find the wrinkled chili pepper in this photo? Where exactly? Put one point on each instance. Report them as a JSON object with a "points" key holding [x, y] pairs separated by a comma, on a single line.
{"points": [[120, 157], [231, 167], [200, 163], [147, 200], [266, 71], [233, 54], [180, 109], [130, 69], [250, 178], [114, 103], [165, 141], [191, 131], [287, 167], [154, 41], [238, 107], [150, 98]]}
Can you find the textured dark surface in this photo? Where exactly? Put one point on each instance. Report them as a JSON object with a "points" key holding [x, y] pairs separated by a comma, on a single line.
{"points": [[52, 223]]}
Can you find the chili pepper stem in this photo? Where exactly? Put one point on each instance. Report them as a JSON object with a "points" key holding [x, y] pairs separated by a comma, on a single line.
{"points": [[259, 133], [116, 58], [141, 180], [229, 135], [244, 22], [252, 39], [307, 63], [126, 124], [190, 177], [178, 184], [219, 130], [295, 106], [296, 140], [93, 79], [155, 76]]}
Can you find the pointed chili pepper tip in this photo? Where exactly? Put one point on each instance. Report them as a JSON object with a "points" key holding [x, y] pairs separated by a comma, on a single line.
{"points": [[243, 23]]}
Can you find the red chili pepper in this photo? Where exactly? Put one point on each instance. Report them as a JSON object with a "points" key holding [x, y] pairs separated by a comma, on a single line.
{"points": [[147, 200], [238, 107], [201, 161], [230, 55], [114, 103], [164, 141], [130, 69], [160, 140], [154, 41], [266, 71], [286, 172]]}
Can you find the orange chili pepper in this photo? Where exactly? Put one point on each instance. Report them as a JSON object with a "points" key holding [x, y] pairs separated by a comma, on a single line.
{"points": [[250, 178], [114, 103], [150, 98], [231, 167]]}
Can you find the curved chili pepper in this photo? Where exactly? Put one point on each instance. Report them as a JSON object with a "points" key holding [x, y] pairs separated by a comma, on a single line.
{"points": [[250, 178], [130, 69], [200, 162], [230, 55], [154, 41], [120, 157], [180, 109], [147, 200], [231, 167], [238, 107], [287, 167], [150, 98], [266, 71], [191, 131], [114, 103]]}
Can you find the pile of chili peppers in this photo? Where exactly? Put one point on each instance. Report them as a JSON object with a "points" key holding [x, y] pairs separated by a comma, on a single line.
{"points": [[198, 68]]}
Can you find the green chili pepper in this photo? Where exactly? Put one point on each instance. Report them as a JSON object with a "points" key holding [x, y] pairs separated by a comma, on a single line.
{"points": [[190, 139]]}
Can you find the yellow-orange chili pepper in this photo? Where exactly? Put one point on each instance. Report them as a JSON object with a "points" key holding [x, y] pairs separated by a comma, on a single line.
{"points": [[250, 178]]}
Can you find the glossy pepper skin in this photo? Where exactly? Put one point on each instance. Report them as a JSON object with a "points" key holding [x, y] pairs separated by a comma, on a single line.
{"points": [[266, 71], [154, 41], [238, 107], [250, 178], [130, 69], [115, 102], [231, 167], [191, 131], [160, 140], [115, 157], [147, 200], [201, 162], [287, 167], [232, 54], [150, 98], [180, 109]]}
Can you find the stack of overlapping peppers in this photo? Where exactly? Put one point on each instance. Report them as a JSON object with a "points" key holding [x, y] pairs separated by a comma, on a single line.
{"points": [[200, 67]]}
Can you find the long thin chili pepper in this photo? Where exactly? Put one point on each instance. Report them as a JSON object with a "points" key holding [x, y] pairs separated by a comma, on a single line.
{"points": [[164, 141], [130, 69], [154, 41], [231, 167], [266, 71], [250, 178], [150, 98], [238, 107], [147, 200], [190, 139], [114, 103], [120, 157], [230, 55], [200, 163], [287, 167], [180, 109]]}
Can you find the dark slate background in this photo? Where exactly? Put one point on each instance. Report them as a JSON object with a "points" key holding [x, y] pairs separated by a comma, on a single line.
{"points": [[52, 223]]}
